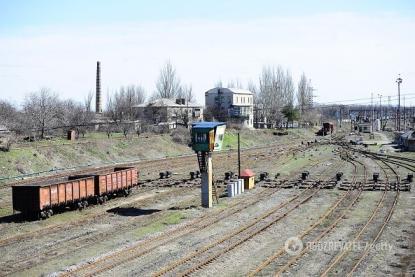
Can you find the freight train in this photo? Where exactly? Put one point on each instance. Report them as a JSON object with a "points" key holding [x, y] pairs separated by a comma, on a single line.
{"points": [[327, 129], [42, 199]]}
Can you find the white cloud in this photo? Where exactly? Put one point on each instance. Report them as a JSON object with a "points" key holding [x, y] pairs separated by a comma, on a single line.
{"points": [[346, 55]]}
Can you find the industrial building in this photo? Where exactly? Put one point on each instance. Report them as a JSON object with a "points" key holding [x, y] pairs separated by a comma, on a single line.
{"points": [[170, 112], [231, 105], [365, 127]]}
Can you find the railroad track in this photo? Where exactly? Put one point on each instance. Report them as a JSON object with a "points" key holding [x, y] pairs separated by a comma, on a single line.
{"points": [[381, 229], [209, 253], [60, 226], [339, 261], [312, 234], [26, 263], [148, 187], [71, 246], [402, 161], [144, 247], [150, 164]]}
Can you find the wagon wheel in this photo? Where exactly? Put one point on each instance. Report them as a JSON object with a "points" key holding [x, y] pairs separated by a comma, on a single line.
{"points": [[42, 215]]}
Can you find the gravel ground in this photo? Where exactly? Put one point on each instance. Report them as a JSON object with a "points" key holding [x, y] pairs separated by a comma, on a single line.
{"points": [[123, 222]]}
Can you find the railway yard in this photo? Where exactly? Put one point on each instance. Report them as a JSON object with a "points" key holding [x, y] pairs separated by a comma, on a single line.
{"points": [[326, 208]]}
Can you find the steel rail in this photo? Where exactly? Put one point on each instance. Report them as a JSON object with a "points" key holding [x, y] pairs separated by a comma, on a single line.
{"points": [[342, 254], [281, 251], [214, 256], [379, 233]]}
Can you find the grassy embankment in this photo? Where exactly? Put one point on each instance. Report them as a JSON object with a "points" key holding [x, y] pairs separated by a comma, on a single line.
{"points": [[97, 149]]}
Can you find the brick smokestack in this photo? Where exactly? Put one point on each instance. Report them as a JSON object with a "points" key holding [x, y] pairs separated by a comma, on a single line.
{"points": [[98, 99]]}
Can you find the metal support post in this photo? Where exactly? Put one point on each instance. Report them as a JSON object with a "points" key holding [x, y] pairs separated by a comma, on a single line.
{"points": [[207, 180]]}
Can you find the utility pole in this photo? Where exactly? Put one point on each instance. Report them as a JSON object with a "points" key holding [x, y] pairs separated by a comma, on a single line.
{"points": [[389, 107], [404, 114], [398, 114], [239, 156], [373, 113], [380, 110]]}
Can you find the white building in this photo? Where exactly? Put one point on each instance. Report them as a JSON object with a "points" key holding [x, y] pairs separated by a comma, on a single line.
{"points": [[167, 111], [231, 104]]}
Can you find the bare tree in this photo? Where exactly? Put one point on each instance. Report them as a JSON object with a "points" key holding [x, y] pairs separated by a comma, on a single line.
{"points": [[218, 84], [168, 83], [231, 84], [188, 93], [8, 118], [305, 99], [120, 105], [235, 84], [288, 89], [302, 93], [7, 113], [88, 101], [42, 108], [76, 116], [270, 96]]}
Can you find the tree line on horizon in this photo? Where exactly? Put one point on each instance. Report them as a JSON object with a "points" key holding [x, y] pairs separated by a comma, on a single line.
{"points": [[275, 97]]}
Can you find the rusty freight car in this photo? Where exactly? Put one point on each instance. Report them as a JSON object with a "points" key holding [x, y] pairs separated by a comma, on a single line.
{"points": [[43, 198], [119, 180]]}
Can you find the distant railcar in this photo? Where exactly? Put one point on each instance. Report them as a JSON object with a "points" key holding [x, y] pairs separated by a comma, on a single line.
{"points": [[42, 199], [328, 128]]}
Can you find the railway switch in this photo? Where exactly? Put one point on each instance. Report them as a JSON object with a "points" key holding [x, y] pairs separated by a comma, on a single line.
{"points": [[339, 176], [304, 175], [375, 176]]}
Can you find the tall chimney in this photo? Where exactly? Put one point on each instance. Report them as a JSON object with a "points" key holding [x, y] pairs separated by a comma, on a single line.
{"points": [[98, 100]]}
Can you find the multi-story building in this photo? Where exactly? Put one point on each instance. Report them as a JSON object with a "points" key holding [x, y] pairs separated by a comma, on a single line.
{"points": [[167, 111], [231, 104]]}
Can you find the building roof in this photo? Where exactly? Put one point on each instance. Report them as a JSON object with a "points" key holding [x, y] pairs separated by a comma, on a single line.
{"points": [[3, 129], [206, 125], [229, 90], [247, 173], [408, 135], [165, 102]]}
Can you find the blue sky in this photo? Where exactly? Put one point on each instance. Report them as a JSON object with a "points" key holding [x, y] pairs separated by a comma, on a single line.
{"points": [[19, 14], [349, 49]]}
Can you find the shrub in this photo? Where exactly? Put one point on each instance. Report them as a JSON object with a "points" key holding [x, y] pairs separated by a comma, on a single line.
{"points": [[181, 135]]}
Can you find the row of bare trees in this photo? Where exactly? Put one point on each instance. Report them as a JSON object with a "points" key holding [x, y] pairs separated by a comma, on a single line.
{"points": [[277, 99], [43, 113]]}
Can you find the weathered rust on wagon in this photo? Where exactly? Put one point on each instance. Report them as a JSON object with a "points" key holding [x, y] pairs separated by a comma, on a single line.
{"points": [[42, 198]]}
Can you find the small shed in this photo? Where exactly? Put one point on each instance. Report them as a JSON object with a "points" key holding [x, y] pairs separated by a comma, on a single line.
{"points": [[71, 135], [365, 127], [249, 178]]}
